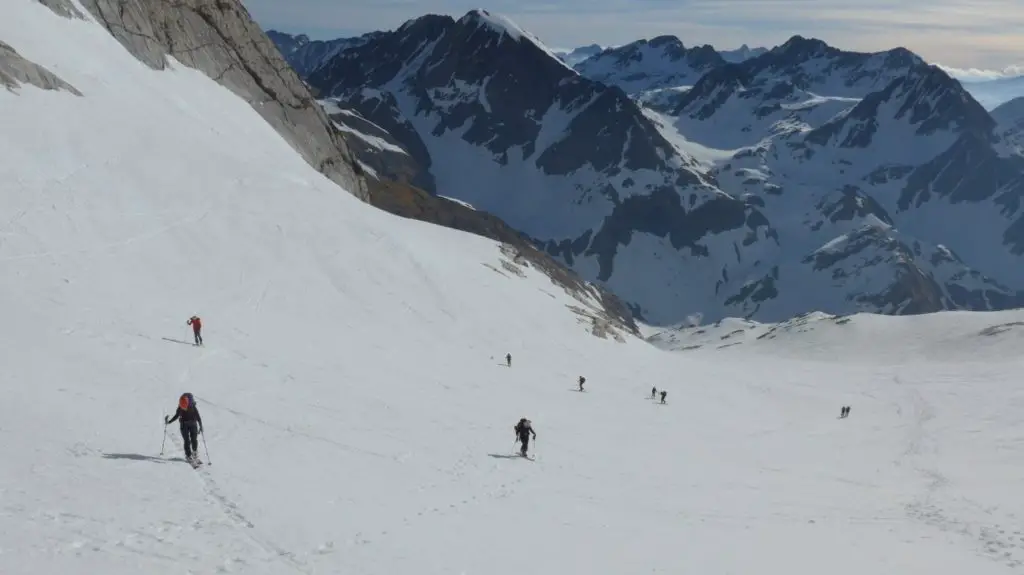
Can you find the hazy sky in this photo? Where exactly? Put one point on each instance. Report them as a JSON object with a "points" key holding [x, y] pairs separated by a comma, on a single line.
{"points": [[984, 34]]}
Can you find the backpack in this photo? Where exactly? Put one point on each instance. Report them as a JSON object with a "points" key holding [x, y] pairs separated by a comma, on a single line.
{"points": [[190, 398]]}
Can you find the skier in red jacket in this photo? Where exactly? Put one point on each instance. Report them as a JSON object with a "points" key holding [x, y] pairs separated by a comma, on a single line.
{"points": [[197, 326]]}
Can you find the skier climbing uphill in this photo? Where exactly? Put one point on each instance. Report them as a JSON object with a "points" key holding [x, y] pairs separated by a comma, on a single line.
{"points": [[191, 424], [523, 430], [197, 326]]}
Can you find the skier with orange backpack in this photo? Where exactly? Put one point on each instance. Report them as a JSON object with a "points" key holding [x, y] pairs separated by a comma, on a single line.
{"points": [[191, 424]]}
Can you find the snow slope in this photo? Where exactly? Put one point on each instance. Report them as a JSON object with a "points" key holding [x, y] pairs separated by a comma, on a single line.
{"points": [[357, 420]]}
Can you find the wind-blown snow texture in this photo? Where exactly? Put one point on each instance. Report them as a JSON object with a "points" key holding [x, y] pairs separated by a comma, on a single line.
{"points": [[356, 416], [803, 178]]}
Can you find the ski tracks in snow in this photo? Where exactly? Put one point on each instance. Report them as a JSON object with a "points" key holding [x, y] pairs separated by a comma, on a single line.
{"points": [[997, 542], [234, 516]]}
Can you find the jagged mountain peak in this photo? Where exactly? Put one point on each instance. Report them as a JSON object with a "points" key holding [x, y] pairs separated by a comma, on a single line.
{"points": [[645, 65], [666, 40], [798, 45], [504, 27], [925, 98], [496, 22], [798, 50]]}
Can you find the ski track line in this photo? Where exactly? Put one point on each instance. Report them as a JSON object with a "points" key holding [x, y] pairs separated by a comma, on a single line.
{"points": [[193, 219], [232, 512], [997, 543], [299, 433]]}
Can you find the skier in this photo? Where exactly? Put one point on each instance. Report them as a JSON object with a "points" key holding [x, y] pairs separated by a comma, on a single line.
{"points": [[191, 424], [663, 394], [654, 392], [582, 381], [197, 326], [842, 412], [847, 411], [508, 359], [523, 430]]}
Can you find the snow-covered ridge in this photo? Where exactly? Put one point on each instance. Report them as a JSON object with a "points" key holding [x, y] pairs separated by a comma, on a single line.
{"points": [[752, 169], [505, 27], [947, 337]]}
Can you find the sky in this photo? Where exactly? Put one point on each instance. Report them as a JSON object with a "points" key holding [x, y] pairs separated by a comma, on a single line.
{"points": [[976, 38]]}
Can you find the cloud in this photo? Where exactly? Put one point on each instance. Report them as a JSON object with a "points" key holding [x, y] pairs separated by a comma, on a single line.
{"points": [[965, 34], [982, 75]]}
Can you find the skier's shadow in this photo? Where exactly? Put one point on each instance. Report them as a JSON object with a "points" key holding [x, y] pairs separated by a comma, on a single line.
{"points": [[505, 456], [139, 457], [178, 341]]}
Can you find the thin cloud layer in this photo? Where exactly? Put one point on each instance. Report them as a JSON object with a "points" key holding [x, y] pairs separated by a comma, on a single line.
{"points": [[981, 38]]}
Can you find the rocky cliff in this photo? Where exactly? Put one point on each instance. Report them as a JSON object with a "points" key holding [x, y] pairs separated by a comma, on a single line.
{"points": [[220, 39]]}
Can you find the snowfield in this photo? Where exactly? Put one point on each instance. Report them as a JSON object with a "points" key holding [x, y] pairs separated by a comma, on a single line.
{"points": [[357, 414]]}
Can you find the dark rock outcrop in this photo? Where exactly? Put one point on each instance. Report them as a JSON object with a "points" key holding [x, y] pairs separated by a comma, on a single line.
{"points": [[220, 39]]}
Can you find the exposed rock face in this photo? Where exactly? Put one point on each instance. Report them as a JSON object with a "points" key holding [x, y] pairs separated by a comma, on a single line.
{"points": [[503, 124], [379, 154], [15, 70], [306, 55], [802, 178], [646, 65], [220, 39]]}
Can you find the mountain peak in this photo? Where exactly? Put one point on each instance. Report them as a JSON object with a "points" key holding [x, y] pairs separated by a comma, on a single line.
{"points": [[496, 22], [804, 46], [666, 40]]}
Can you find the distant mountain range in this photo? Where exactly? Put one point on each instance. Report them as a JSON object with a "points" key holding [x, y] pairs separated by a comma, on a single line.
{"points": [[694, 182]]}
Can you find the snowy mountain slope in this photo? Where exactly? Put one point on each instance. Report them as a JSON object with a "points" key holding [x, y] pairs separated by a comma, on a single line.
{"points": [[881, 174], [219, 38], [572, 163], [355, 418], [558, 158], [1009, 118], [646, 65], [380, 155], [950, 337], [747, 102]]}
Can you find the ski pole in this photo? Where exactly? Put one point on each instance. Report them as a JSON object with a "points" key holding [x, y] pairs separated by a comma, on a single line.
{"points": [[164, 442], [207, 449]]}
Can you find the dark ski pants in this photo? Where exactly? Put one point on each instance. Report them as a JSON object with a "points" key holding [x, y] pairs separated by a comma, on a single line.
{"points": [[190, 437], [198, 337], [525, 441]]}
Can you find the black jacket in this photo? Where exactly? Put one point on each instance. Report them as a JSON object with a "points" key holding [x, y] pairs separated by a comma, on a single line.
{"points": [[523, 430], [187, 416]]}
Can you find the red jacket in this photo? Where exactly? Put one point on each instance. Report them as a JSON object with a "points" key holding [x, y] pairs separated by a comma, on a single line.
{"points": [[195, 322]]}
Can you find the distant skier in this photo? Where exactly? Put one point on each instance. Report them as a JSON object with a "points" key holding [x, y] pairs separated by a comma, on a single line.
{"points": [[582, 381], [197, 327], [663, 394], [654, 392], [508, 359], [847, 411], [523, 430], [191, 424], [842, 412]]}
